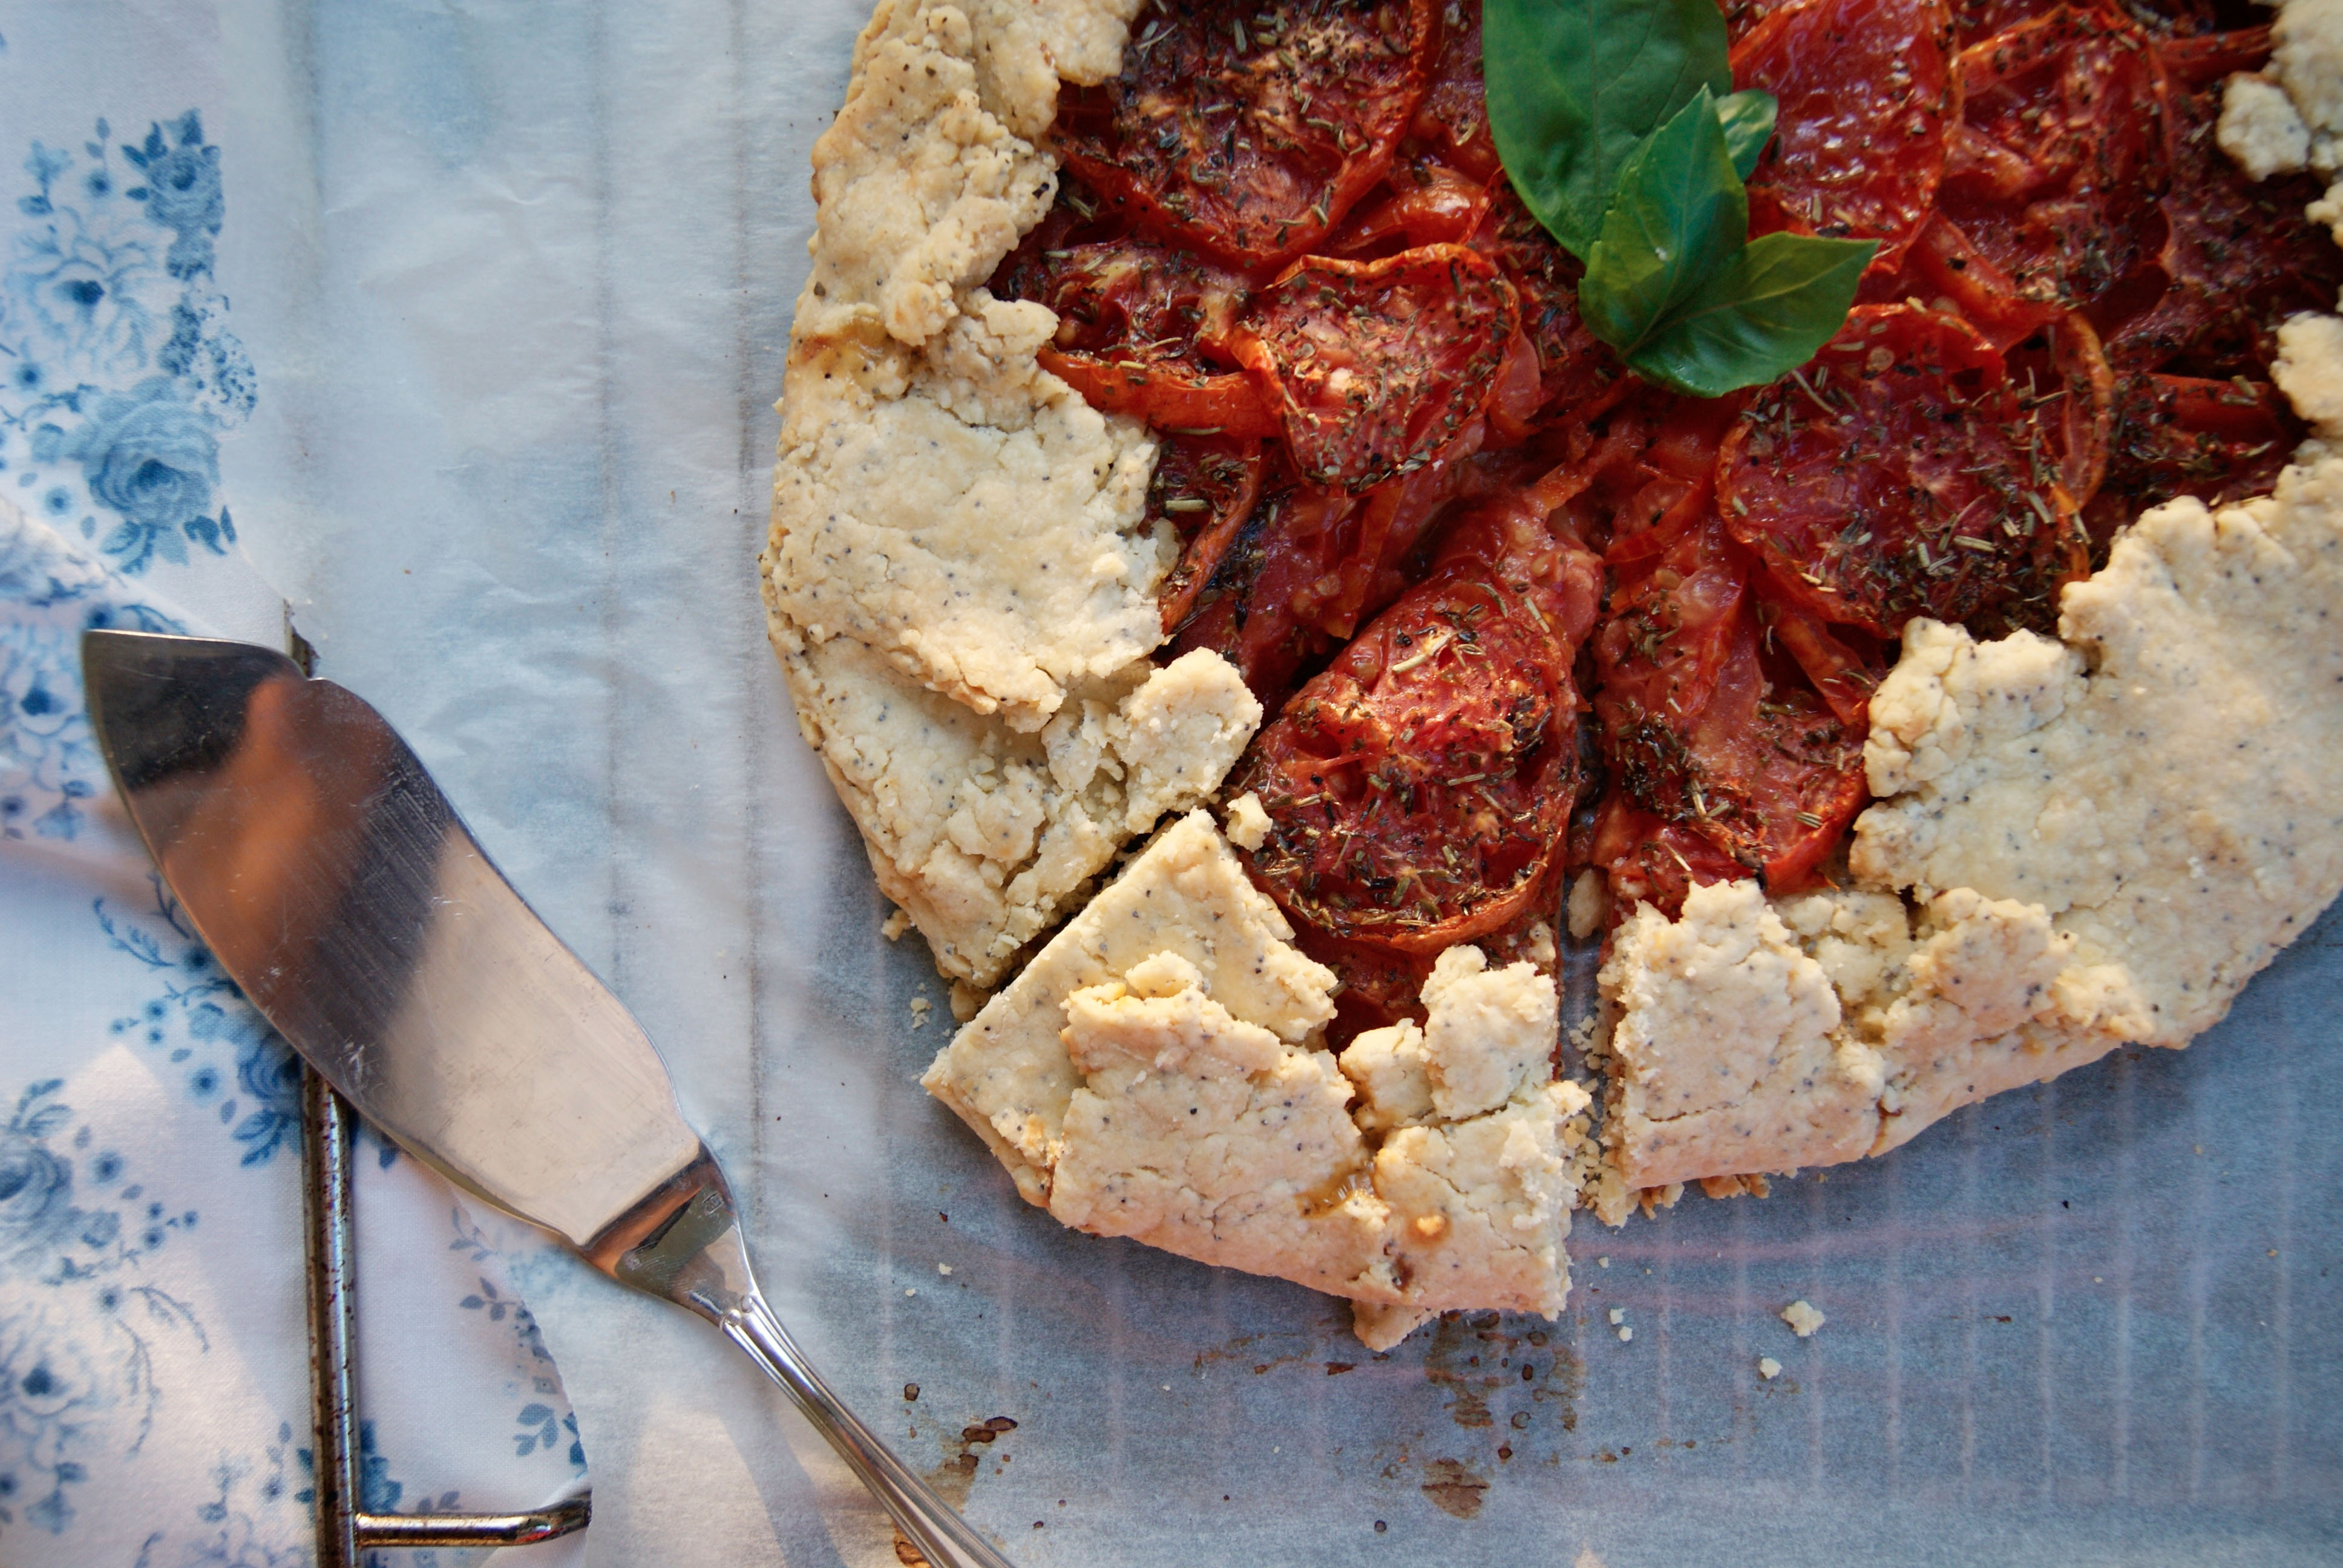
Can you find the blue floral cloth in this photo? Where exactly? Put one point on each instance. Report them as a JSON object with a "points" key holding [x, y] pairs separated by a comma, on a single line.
{"points": [[153, 1396]]}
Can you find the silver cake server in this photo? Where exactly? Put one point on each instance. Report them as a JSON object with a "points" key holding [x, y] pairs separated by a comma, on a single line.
{"points": [[334, 883]]}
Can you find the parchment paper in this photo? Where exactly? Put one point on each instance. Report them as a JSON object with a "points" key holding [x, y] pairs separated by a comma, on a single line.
{"points": [[518, 284]]}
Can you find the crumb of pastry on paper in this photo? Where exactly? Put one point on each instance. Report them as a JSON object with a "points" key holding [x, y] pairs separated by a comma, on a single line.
{"points": [[1159, 1071], [2100, 839], [1803, 1318]]}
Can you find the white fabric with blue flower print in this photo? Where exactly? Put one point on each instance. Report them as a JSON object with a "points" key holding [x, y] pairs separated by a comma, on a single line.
{"points": [[154, 1395]]}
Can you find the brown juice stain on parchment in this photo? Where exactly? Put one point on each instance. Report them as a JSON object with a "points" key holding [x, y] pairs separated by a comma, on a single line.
{"points": [[1253, 1353], [1454, 1487], [1481, 1364], [957, 1474], [1512, 1389]]}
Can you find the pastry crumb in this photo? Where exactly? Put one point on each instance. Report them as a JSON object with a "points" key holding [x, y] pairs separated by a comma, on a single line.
{"points": [[896, 923], [944, 1269], [1768, 1368], [1590, 904], [1626, 1335], [1618, 1316], [920, 1008], [2261, 129], [1247, 822], [1801, 1317]]}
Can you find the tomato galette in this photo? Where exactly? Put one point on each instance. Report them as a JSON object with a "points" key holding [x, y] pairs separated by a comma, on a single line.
{"points": [[1877, 569]]}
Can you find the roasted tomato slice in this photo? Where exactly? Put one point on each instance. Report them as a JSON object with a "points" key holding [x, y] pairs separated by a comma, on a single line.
{"points": [[1204, 488], [2054, 169], [1780, 775], [1724, 761], [1136, 321], [1383, 985], [1867, 94], [1845, 666], [2180, 436], [2207, 59], [1378, 366], [1423, 203], [1674, 614], [1976, 19], [1574, 367], [1454, 118], [1949, 268], [2239, 258], [1900, 474], [1251, 604], [1248, 130], [1418, 791], [1167, 394]]}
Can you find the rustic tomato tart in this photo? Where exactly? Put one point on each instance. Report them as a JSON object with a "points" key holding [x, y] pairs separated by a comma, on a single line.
{"points": [[1829, 499]]}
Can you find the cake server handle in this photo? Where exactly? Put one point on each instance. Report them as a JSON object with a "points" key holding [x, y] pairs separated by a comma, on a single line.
{"points": [[683, 1245]]}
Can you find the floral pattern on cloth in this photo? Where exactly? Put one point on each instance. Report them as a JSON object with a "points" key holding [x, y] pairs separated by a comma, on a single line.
{"points": [[120, 375], [49, 767], [153, 1359]]}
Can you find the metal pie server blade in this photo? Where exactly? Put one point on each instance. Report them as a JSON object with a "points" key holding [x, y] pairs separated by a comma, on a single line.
{"points": [[336, 885]]}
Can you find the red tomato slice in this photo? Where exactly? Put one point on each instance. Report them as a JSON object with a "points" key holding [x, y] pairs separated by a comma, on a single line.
{"points": [[1784, 774], [1378, 366], [1382, 986], [1976, 19], [1168, 396], [2182, 436], [1845, 669], [2239, 258], [1741, 18], [1394, 516], [1671, 620], [1575, 368], [2162, 19], [1454, 118], [1648, 858], [2208, 58], [1947, 266], [1424, 204], [1248, 604], [1204, 488], [1419, 790], [1868, 92], [1719, 768], [1901, 475], [1135, 323], [1676, 464], [2054, 168], [1247, 131]]}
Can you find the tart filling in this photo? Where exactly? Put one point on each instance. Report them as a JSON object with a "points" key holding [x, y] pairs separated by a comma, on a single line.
{"points": [[1141, 400]]}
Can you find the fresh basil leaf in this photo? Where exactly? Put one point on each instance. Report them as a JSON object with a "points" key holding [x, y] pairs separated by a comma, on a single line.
{"points": [[1748, 117], [1766, 313], [1678, 219], [1575, 86]]}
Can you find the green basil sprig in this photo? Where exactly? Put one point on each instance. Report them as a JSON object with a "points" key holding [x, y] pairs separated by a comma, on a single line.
{"points": [[1618, 126]]}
